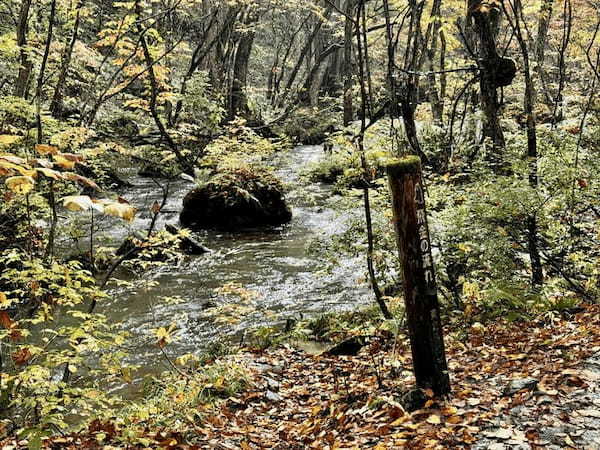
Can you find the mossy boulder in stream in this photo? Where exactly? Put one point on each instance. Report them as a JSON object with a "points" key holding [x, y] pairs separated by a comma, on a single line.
{"points": [[236, 198]]}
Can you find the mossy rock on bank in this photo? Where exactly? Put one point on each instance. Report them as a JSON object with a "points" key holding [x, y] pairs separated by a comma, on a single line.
{"points": [[236, 199]]}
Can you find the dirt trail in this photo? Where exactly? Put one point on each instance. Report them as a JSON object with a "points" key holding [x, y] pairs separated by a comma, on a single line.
{"points": [[521, 386]]}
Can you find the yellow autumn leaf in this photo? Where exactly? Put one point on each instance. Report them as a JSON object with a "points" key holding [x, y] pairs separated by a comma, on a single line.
{"points": [[8, 139], [20, 185], [77, 202], [4, 301], [13, 159], [8, 167], [83, 180], [399, 421], [63, 162], [44, 149], [49, 173], [10, 163], [122, 210], [434, 420]]}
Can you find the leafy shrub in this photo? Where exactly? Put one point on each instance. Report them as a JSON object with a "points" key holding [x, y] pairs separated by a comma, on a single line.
{"points": [[200, 104], [15, 112], [310, 125], [330, 167]]}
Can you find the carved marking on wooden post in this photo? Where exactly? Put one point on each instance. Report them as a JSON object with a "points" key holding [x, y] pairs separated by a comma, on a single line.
{"points": [[420, 291]]}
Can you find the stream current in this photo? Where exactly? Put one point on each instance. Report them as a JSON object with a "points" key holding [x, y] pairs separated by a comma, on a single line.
{"points": [[285, 279]]}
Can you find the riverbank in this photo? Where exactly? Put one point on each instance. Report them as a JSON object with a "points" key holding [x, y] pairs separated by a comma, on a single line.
{"points": [[533, 384]]}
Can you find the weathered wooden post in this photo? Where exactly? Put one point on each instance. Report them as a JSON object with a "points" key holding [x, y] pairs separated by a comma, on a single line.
{"points": [[420, 291]]}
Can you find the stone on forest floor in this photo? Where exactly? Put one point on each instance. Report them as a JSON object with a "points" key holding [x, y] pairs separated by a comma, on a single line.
{"points": [[413, 399], [349, 347], [521, 383], [273, 397], [272, 384]]}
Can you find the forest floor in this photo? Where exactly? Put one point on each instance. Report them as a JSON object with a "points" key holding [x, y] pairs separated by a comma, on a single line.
{"points": [[521, 385]]}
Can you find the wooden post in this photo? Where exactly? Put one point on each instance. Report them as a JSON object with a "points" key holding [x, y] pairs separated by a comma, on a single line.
{"points": [[420, 291]]}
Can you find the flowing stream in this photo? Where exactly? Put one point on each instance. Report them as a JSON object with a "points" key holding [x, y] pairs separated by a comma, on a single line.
{"points": [[285, 280]]}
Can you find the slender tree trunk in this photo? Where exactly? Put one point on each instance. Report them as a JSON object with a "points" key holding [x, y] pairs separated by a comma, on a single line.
{"points": [[183, 161], [545, 16], [200, 53], [303, 54], [56, 106], [348, 72], [307, 93], [272, 75], [410, 85], [546, 10], [537, 277], [279, 76], [557, 114], [361, 55], [239, 99], [26, 65], [40, 79], [429, 56], [38, 103]]}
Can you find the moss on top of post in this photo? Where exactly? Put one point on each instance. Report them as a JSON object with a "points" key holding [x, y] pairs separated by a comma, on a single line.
{"points": [[399, 166]]}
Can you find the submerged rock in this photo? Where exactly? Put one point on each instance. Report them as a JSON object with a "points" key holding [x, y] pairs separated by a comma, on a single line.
{"points": [[153, 171], [187, 244], [235, 199]]}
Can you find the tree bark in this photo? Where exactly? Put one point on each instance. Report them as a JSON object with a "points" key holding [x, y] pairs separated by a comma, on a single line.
{"points": [[303, 54], [537, 277], [348, 72], [26, 65], [433, 33], [56, 106], [198, 57], [238, 105], [40, 79], [307, 94], [420, 290], [484, 19], [361, 60], [546, 10]]}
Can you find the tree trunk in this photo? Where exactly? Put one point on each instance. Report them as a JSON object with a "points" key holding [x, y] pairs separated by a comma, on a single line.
{"points": [[183, 161], [537, 277], [484, 19], [200, 53], [409, 88], [433, 33], [420, 290], [40, 79], [303, 54], [348, 83], [56, 105], [307, 93], [238, 105], [542, 33], [26, 65]]}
